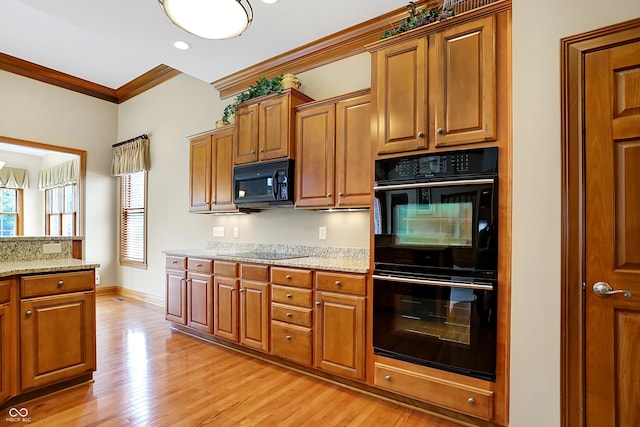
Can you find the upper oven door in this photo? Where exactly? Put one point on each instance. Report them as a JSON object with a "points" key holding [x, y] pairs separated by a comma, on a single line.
{"points": [[439, 227]]}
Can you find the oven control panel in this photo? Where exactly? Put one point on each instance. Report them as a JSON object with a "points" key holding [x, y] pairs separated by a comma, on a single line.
{"points": [[451, 164]]}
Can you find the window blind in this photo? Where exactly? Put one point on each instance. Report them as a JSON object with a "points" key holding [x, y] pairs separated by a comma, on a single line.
{"points": [[133, 218]]}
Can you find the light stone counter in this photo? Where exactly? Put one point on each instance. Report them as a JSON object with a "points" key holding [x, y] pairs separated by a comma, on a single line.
{"points": [[18, 268]]}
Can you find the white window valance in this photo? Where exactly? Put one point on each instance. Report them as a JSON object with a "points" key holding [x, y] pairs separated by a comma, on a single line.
{"points": [[14, 178], [59, 175], [130, 156]]}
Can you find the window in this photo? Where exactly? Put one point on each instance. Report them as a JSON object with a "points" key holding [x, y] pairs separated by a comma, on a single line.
{"points": [[61, 210], [10, 210], [133, 219]]}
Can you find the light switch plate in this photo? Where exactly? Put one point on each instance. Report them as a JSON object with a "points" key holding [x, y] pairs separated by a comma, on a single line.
{"points": [[322, 233], [218, 231], [236, 232]]}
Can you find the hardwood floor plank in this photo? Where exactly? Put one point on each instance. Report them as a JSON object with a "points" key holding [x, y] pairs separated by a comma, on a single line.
{"points": [[149, 375]]}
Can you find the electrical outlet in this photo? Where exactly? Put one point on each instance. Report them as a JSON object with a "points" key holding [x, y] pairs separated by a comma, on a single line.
{"points": [[52, 248], [218, 231], [97, 279], [236, 232], [322, 233]]}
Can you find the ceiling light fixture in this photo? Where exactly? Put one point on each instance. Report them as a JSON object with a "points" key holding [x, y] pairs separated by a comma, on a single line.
{"points": [[209, 19], [269, 1], [182, 45]]}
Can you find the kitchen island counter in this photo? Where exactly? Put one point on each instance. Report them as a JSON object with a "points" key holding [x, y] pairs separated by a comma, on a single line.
{"points": [[19, 268]]}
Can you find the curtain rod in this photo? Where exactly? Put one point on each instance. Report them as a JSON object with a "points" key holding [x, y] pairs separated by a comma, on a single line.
{"points": [[143, 136]]}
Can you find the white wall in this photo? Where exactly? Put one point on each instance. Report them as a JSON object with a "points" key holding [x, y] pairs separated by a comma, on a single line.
{"points": [[184, 106], [40, 112], [33, 199], [538, 27]]}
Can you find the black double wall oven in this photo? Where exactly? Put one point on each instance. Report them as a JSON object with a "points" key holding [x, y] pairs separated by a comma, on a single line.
{"points": [[435, 260]]}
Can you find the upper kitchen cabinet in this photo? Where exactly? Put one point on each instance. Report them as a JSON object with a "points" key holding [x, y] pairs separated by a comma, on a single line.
{"points": [[333, 152], [211, 171], [462, 81], [265, 127], [399, 90]]}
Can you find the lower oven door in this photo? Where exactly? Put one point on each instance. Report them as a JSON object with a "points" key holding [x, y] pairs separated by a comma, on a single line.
{"points": [[445, 325]]}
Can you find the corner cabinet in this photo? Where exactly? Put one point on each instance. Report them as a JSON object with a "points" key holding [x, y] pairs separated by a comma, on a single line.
{"points": [[211, 171], [331, 137], [264, 127]]}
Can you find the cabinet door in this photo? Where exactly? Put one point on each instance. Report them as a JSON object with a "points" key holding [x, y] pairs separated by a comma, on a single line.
{"points": [[222, 171], [6, 370], [246, 136], [400, 93], [176, 297], [225, 299], [254, 315], [464, 83], [200, 302], [57, 338], [339, 329], [274, 121], [200, 174], [353, 148], [315, 157]]}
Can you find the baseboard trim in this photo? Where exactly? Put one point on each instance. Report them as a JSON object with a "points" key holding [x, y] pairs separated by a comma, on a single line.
{"points": [[130, 293]]}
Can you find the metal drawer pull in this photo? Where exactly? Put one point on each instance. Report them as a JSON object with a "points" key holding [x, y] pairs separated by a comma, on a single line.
{"points": [[288, 277], [603, 289], [420, 134], [387, 377], [174, 262], [289, 296], [29, 313], [317, 303], [288, 337], [338, 283], [288, 314], [198, 265], [60, 283], [241, 290], [471, 401]]}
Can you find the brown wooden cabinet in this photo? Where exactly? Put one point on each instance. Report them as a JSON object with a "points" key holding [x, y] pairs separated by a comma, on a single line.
{"points": [[254, 306], [462, 83], [399, 89], [340, 324], [176, 290], [8, 373], [291, 309], [225, 297], [265, 127], [57, 328], [211, 171], [333, 146], [200, 295]]}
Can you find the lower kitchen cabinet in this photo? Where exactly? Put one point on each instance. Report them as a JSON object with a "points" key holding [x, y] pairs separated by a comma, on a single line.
{"points": [[339, 334], [7, 330], [176, 296], [225, 295], [254, 306], [200, 302], [57, 328]]}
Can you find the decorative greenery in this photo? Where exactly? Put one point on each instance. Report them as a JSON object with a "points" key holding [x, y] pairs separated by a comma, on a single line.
{"points": [[262, 86], [418, 18]]}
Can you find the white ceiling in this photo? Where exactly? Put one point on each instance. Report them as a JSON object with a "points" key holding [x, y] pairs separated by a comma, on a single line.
{"points": [[111, 42]]}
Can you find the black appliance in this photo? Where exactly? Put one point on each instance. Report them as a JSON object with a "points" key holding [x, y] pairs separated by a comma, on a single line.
{"points": [[435, 260], [264, 184]]}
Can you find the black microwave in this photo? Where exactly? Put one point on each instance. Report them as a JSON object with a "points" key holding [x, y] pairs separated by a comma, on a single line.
{"points": [[264, 184]]}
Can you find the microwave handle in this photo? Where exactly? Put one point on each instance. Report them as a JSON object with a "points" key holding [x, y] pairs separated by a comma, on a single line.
{"points": [[274, 189], [434, 184], [481, 286]]}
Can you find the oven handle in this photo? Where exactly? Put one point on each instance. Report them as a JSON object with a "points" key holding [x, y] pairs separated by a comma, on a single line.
{"points": [[434, 184], [483, 287]]}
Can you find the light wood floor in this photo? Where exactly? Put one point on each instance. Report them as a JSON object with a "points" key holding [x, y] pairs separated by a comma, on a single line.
{"points": [[149, 375]]}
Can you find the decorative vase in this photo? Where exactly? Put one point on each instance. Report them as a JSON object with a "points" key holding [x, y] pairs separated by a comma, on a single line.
{"points": [[290, 81], [221, 124]]}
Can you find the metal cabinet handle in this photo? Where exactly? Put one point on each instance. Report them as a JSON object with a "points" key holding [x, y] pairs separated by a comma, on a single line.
{"points": [[288, 277], [420, 134], [262, 150], [289, 296], [241, 290], [288, 337], [328, 194], [471, 401], [29, 313], [341, 194], [603, 289], [174, 262], [198, 265], [288, 314], [338, 283], [252, 152], [440, 131], [387, 377], [60, 283], [318, 303]]}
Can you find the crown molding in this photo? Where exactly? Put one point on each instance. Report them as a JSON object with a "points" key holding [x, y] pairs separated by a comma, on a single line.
{"points": [[135, 87]]}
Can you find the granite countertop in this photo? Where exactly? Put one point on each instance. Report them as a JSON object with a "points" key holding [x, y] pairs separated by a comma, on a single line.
{"points": [[344, 264], [15, 268]]}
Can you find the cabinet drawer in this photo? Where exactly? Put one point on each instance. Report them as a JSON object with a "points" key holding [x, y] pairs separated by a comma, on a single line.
{"points": [[291, 276], [293, 296], [5, 289], [58, 283], [226, 268], [336, 282], [470, 400], [200, 265], [291, 314], [254, 272], [291, 342], [176, 262]]}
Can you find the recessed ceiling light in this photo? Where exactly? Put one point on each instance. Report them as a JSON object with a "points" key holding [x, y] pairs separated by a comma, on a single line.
{"points": [[270, 1], [181, 45]]}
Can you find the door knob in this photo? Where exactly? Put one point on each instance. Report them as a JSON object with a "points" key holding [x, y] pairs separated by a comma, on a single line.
{"points": [[603, 289]]}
